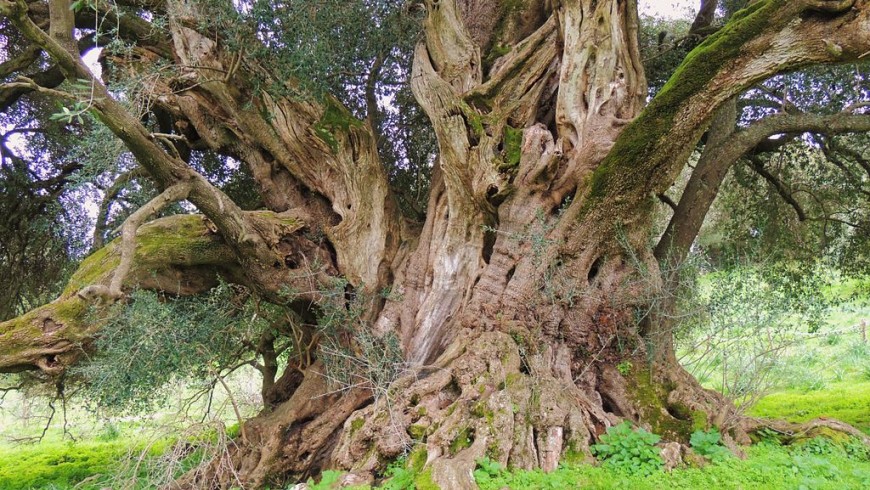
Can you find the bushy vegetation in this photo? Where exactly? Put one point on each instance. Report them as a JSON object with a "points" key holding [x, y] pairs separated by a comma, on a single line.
{"points": [[709, 444], [627, 450], [768, 466], [153, 340]]}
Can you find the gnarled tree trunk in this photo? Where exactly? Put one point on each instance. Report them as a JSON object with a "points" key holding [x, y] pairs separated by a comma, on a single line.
{"points": [[524, 302]]}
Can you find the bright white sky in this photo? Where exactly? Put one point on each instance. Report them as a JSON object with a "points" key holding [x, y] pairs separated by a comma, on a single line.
{"points": [[669, 8]]}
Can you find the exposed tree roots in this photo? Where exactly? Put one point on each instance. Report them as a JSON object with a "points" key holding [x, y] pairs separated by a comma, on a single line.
{"points": [[486, 396]]}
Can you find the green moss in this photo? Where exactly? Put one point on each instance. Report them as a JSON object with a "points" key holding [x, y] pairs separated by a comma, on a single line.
{"points": [[650, 399], [417, 458], [475, 120], [96, 267], [699, 420], [356, 424], [494, 54], [493, 452], [462, 440], [512, 379], [513, 141], [574, 457], [480, 410], [424, 481], [421, 411], [71, 310], [335, 119], [417, 432], [17, 334], [182, 239], [179, 239]]}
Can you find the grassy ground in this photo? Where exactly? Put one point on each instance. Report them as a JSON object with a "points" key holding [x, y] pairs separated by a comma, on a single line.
{"points": [[63, 465], [767, 466], [848, 401]]}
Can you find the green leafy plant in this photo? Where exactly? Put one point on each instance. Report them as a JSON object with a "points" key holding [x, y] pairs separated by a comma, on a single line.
{"points": [[629, 450], [709, 445], [329, 479], [68, 115], [401, 476], [487, 471], [624, 367]]}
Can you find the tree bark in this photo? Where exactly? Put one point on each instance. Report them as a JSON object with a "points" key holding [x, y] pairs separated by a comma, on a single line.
{"points": [[516, 301]]}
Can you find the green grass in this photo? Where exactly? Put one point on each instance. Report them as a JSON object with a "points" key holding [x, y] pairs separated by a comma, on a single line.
{"points": [[62, 465], [768, 466], [846, 401]]}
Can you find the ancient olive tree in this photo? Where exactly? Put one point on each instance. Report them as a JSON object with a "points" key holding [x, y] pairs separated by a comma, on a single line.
{"points": [[510, 299]]}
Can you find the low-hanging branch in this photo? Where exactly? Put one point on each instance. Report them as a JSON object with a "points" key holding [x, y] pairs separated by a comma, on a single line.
{"points": [[757, 165], [164, 168]]}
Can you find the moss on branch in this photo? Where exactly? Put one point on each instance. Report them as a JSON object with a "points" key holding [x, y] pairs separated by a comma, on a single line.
{"points": [[335, 119], [180, 254], [639, 149]]}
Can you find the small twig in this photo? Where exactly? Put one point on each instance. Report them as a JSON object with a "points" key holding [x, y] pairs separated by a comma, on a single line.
{"points": [[50, 418], [235, 409]]}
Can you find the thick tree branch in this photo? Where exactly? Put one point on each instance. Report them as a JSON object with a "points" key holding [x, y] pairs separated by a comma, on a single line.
{"points": [[768, 37], [705, 17], [113, 291], [61, 24], [179, 254], [26, 58], [718, 158]]}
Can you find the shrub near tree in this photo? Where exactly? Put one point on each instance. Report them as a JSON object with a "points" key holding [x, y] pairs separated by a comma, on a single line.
{"points": [[443, 209]]}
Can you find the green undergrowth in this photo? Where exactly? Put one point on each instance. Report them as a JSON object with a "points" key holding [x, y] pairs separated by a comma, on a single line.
{"points": [[767, 466], [848, 402], [64, 465], [817, 463]]}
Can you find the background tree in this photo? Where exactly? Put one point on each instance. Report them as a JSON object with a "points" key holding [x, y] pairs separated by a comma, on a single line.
{"points": [[499, 313]]}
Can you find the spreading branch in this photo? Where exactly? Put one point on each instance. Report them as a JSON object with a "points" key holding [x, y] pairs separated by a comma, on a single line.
{"points": [[717, 159], [779, 186], [164, 168]]}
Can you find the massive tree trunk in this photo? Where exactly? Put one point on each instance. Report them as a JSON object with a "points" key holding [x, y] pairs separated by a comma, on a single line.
{"points": [[525, 303]]}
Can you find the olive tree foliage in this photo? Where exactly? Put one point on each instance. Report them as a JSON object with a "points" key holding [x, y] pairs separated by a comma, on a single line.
{"points": [[799, 196], [38, 235], [155, 340]]}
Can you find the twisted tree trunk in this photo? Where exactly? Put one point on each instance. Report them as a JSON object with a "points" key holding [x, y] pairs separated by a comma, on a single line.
{"points": [[525, 304]]}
